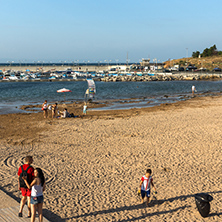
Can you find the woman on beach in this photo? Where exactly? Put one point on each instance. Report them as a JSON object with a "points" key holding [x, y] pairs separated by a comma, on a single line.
{"points": [[54, 108], [37, 187], [64, 113], [45, 109]]}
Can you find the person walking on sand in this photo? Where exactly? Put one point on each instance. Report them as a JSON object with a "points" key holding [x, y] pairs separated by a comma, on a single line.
{"points": [[37, 187], [45, 109], [54, 109], [144, 187], [26, 192], [193, 90]]}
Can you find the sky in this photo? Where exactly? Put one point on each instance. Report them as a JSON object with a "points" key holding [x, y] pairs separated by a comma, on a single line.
{"points": [[107, 30]]}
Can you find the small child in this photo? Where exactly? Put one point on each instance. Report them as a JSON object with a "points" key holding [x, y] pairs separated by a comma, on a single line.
{"points": [[144, 187], [84, 108]]}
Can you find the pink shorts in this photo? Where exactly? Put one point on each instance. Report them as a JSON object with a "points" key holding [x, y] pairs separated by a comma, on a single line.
{"points": [[25, 192]]}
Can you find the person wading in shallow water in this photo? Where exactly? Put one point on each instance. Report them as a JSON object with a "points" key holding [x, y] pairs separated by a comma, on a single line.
{"points": [[193, 90]]}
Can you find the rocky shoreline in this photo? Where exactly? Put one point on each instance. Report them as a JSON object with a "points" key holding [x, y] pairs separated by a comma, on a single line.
{"points": [[164, 77]]}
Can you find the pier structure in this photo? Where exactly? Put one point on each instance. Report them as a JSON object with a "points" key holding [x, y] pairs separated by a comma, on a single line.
{"points": [[84, 67], [33, 67]]}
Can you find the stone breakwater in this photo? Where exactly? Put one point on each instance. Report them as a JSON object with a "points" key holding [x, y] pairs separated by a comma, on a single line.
{"points": [[163, 77]]}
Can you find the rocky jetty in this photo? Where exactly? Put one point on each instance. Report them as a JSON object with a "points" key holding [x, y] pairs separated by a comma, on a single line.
{"points": [[163, 77]]}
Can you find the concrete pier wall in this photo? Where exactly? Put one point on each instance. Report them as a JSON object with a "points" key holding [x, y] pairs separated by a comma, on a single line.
{"points": [[34, 68]]}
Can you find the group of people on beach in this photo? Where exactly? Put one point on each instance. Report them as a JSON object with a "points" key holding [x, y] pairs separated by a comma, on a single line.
{"points": [[46, 107], [65, 113], [31, 183], [53, 108], [61, 114]]}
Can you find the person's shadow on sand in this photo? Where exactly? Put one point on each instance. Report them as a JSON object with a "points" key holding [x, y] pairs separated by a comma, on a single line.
{"points": [[153, 202], [128, 208]]}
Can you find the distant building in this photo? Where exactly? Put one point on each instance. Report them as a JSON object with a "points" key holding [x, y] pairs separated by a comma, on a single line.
{"points": [[145, 65], [145, 62]]}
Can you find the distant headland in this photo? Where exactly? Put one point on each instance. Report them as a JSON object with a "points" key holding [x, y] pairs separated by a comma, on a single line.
{"points": [[209, 60]]}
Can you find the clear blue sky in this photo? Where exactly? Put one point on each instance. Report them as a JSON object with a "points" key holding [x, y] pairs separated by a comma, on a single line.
{"points": [[99, 30]]}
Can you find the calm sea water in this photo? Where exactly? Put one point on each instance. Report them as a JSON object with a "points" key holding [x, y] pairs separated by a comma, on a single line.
{"points": [[15, 94]]}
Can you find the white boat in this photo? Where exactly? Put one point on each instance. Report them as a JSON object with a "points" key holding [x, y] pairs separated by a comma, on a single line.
{"points": [[56, 75], [24, 76], [13, 77]]}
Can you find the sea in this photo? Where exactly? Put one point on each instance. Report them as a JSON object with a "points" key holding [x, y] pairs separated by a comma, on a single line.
{"points": [[120, 95]]}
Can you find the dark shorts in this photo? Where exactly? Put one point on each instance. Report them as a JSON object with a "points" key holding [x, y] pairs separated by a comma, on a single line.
{"points": [[145, 193], [36, 200], [25, 192]]}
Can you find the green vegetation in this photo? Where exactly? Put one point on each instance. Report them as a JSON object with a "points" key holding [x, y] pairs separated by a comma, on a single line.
{"points": [[208, 60], [208, 63], [212, 51]]}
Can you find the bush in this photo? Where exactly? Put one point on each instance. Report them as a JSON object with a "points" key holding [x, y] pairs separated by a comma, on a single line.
{"points": [[212, 51], [196, 54]]}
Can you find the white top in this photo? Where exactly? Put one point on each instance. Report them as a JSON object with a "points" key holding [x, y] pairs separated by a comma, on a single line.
{"points": [[146, 183], [65, 114], [37, 190], [45, 106]]}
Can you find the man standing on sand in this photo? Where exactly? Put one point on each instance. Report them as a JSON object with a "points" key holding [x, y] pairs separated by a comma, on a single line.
{"points": [[26, 193]]}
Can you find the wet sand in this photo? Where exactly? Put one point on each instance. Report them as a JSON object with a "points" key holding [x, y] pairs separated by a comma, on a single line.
{"points": [[93, 163]]}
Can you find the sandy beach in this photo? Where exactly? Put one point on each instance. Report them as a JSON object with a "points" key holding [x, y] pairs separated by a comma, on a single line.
{"points": [[93, 164]]}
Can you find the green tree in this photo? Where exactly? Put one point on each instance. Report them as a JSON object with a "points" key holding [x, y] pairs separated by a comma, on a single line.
{"points": [[213, 50], [196, 54], [205, 53], [210, 52]]}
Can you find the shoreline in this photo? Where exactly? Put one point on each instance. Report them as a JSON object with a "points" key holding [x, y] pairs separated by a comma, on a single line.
{"points": [[93, 164], [96, 110], [103, 105]]}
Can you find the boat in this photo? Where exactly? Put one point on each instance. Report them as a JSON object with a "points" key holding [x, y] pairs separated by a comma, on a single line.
{"points": [[13, 77], [53, 77], [24, 76]]}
